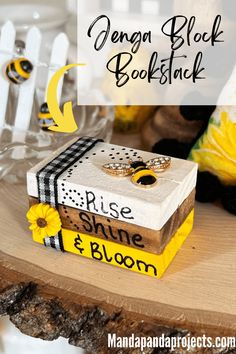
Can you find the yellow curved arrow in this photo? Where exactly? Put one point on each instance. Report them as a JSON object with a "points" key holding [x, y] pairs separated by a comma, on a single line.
{"points": [[65, 120]]}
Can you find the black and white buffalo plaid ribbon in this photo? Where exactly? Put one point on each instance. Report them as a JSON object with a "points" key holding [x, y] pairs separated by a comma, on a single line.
{"points": [[47, 179]]}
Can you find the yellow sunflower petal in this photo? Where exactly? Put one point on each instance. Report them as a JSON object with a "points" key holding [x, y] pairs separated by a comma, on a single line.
{"points": [[46, 209], [216, 150], [52, 214], [43, 209], [43, 232], [51, 211], [31, 221], [51, 217], [33, 226], [38, 209], [31, 214], [52, 231]]}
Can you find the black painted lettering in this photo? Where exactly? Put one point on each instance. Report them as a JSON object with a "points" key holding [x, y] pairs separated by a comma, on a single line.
{"points": [[127, 264], [78, 244], [124, 236], [86, 222], [108, 259], [96, 254], [102, 207], [97, 225], [111, 232], [113, 207], [90, 201], [119, 258], [137, 240], [142, 266], [125, 213]]}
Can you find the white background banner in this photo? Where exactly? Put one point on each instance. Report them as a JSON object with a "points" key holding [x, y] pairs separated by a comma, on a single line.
{"points": [[156, 52]]}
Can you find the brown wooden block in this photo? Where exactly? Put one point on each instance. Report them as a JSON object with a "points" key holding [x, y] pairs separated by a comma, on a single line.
{"points": [[46, 293], [153, 241]]}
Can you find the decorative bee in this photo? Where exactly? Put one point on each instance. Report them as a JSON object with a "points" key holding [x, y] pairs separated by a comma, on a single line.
{"points": [[44, 117], [18, 70], [143, 174]]}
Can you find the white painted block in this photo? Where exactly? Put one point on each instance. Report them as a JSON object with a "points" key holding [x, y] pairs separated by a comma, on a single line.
{"points": [[149, 208], [120, 5]]}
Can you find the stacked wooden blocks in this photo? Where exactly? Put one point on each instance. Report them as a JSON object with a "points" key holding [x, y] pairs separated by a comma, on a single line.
{"points": [[108, 218]]}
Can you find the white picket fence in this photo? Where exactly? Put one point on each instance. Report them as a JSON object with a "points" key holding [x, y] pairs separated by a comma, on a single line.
{"points": [[23, 112]]}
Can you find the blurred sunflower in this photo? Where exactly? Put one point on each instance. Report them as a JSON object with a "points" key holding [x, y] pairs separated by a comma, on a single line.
{"points": [[215, 152], [131, 118], [45, 220]]}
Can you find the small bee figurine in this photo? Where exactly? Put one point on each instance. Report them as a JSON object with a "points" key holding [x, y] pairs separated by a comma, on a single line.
{"points": [[18, 70], [44, 117], [143, 174]]}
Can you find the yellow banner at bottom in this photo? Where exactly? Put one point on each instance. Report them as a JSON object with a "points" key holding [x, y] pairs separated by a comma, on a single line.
{"points": [[123, 256]]}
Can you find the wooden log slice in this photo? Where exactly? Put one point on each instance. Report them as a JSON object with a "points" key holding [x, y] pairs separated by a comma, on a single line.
{"points": [[48, 294]]}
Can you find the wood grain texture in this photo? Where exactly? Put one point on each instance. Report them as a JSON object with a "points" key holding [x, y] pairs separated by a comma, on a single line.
{"points": [[47, 313], [197, 292], [113, 230], [48, 295]]}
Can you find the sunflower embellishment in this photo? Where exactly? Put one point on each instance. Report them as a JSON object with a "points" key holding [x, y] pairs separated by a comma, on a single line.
{"points": [[216, 150], [45, 221]]}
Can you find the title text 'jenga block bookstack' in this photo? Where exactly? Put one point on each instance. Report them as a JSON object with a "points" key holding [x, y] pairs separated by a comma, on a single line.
{"points": [[121, 206]]}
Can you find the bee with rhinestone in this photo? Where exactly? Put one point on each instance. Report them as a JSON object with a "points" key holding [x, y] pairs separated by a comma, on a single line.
{"points": [[143, 174]]}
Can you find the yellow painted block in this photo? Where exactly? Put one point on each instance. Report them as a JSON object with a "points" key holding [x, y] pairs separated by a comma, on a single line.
{"points": [[123, 256]]}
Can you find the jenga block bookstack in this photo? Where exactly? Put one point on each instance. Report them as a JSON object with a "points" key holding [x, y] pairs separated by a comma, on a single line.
{"points": [[129, 208]]}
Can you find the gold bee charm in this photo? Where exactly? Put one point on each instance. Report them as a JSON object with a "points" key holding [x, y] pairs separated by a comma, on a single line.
{"points": [[143, 174], [18, 70]]}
